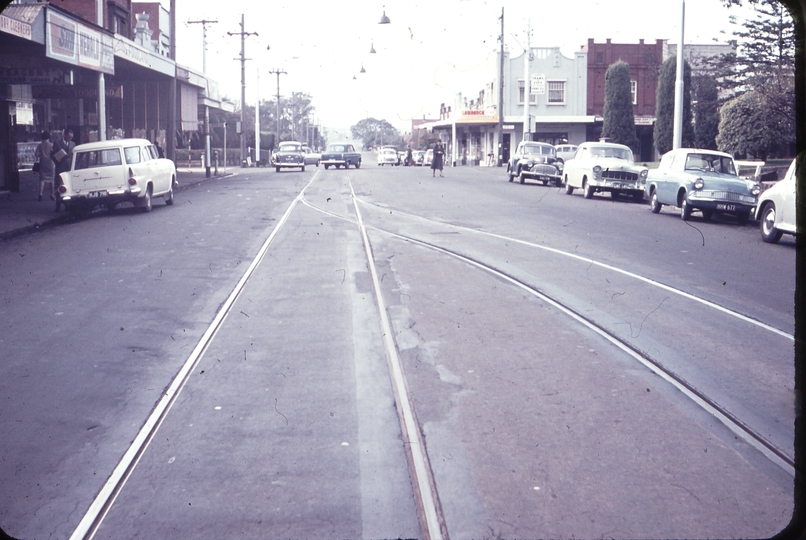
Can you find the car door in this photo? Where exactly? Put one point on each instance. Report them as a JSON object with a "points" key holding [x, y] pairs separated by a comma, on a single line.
{"points": [[572, 167], [663, 177], [788, 197]]}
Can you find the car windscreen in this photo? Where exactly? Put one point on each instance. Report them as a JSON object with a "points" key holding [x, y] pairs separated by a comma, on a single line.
{"points": [[539, 150], [710, 163], [97, 158], [611, 152]]}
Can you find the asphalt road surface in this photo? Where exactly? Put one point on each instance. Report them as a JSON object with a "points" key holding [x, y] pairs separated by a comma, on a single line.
{"points": [[376, 353]]}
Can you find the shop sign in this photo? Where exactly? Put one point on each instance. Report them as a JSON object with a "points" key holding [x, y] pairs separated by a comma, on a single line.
{"points": [[15, 27], [75, 92], [509, 126], [35, 76], [128, 50], [70, 41], [479, 114], [537, 83], [644, 120]]}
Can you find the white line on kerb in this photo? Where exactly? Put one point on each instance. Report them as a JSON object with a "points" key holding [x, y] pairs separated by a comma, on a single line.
{"points": [[89, 524], [412, 432]]}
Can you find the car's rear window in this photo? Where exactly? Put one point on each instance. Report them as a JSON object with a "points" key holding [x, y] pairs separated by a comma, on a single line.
{"points": [[336, 148], [290, 148], [97, 158]]}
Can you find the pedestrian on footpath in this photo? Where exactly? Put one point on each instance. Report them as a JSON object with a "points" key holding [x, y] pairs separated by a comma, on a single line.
{"points": [[437, 162], [63, 160], [46, 166]]}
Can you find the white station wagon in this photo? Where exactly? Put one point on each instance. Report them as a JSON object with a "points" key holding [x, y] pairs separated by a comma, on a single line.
{"points": [[120, 170]]}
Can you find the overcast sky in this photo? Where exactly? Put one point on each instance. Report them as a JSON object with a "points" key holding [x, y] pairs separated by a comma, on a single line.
{"points": [[429, 51]]}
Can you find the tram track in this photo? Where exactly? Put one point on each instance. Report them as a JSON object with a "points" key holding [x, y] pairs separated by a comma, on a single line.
{"points": [[710, 405]]}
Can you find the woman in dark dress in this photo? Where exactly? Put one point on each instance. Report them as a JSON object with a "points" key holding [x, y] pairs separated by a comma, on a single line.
{"points": [[439, 159]]}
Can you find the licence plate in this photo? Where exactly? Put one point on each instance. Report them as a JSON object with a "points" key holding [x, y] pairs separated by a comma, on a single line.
{"points": [[95, 194], [544, 178], [617, 184], [728, 207]]}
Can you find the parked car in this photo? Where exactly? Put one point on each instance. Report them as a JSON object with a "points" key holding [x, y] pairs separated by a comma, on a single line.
{"points": [[289, 154], [535, 160], [115, 171], [776, 207], [603, 166], [418, 156], [311, 157], [704, 180], [428, 157], [387, 156], [566, 151], [341, 155], [401, 158]]}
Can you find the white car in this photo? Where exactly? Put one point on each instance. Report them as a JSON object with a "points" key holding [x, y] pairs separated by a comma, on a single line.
{"points": [[566, 151], [776, 208], [387, 156], [602, 166], [120, 170]]}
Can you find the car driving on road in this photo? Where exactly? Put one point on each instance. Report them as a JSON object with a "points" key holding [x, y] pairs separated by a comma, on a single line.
{"points": [[704, 180], [289, 154], [387, 156], [340, 155]]}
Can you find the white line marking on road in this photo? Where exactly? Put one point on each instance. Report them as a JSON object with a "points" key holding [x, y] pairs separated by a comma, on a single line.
{"points": [[410, 427], [609, 267], [89, 524]]}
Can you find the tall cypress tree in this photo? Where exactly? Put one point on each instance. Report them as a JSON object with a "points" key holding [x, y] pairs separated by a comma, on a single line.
{"points": [[706, 125], [619, 122], [664, 106]]}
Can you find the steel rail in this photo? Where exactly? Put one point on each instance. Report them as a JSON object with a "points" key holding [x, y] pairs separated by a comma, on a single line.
{"points": [[103, 502], [749, 435]]}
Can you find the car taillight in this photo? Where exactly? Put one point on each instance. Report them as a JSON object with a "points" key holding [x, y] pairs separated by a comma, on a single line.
{"points": [[132, 180], [62, 189]]}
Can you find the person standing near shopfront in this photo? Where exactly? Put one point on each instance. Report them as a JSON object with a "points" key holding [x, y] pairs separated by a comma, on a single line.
{"points": [[46, 166], [439, 159], [62, 160]]}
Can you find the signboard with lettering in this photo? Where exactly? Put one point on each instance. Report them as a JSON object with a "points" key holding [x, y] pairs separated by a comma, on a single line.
{"points": [[15, 27], [35, 76], [128, 50], [75, 43], [74, 92], [537, 84]]}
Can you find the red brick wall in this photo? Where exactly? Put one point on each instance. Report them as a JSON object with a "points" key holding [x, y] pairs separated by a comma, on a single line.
{"points": [[644, 60]]}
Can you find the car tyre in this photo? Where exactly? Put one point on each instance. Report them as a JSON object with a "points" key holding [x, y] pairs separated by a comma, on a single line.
{"points": [[326, 166], [654, 205], [146, 202], [769, 233], [521, 177], [358, 165], [169, 198], [303, 168], [277, 169], [587, 190], [509, 173], [568, 189], [685, 209]]}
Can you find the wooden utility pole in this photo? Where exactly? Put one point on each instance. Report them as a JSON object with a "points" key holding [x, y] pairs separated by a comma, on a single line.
{"points": [[204, 23], [244, 34], [278, 72], [500, 131]]}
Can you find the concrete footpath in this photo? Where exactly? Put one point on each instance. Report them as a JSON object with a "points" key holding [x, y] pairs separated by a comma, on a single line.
{"points": [[20, 212]]}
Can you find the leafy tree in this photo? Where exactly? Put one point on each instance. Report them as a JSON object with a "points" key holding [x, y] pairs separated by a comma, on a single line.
{"points": [[745, 128], [706, 112], [619, 121], [374, 132], [664, 106], [764, 63]]}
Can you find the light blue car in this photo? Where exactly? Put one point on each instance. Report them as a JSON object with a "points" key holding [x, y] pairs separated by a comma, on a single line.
{"points": [[704, 180]]}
